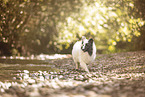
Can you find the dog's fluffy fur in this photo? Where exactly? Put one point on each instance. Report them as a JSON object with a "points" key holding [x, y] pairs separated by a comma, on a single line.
{"points": [[84, 52]]}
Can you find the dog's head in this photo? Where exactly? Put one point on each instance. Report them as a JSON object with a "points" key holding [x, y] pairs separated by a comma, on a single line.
{"points": [[87, 45]]}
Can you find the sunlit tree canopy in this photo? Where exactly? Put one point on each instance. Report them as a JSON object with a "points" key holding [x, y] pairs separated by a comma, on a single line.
{"points": [[107, 21], [53, 26]]}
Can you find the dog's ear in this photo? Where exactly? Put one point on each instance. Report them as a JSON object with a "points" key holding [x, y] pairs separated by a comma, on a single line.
{"points": [[83, 38], [91, 40]]}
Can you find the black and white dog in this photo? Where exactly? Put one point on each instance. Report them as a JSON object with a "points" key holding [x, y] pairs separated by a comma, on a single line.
{"points": [[84, 52]]}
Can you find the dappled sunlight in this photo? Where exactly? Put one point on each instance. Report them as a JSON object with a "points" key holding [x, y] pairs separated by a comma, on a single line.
{"points": [[37, 38], [55, 56], [103, 22], [38, 57], [62, 83], [53, 26], [110, 74]]}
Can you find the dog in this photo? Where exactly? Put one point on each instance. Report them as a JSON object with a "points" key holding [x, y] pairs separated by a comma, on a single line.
{"points": [[84, 52]]}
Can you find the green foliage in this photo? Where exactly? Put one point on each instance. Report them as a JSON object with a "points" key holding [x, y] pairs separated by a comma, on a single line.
{"points": [[51, 26], [107, 21]]}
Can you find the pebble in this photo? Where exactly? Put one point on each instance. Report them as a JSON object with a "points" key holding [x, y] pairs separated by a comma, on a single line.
{"points": [[8, 95], [90, 94], [2, 90], [31, 81], [77, 95], [34, 93], [66, 83], [95, 89], [103, 96], [108, 89], [26, 76], [26, 71]]}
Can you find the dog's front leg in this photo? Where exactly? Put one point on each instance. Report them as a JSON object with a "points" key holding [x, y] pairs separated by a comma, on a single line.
{"points": [[84, 66]]}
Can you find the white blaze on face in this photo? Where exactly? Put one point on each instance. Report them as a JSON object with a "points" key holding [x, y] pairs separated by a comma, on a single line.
{"points": [[84, 42]]}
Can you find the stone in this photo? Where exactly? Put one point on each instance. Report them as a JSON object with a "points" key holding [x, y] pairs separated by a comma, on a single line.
{"points": [[31, 81], [8, 95], [103, 95], [34, 93], [95, 89], [108, 89], [90, 94], [26, 71]]}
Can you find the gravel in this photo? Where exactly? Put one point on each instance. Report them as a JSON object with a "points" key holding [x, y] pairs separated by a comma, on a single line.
{"points": [[111, 75]]}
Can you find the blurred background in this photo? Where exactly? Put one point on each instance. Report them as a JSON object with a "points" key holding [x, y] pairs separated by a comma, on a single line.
{"points": [[53, 26]]}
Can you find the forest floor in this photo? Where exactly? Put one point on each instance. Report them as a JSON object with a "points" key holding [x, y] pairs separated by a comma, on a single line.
{"points": [[111, 75]]}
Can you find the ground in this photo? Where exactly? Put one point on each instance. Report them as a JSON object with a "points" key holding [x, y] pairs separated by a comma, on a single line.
{"points": [[111, 75]]}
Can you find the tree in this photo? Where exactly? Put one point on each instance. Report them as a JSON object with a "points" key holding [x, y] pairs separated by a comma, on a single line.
{"points": [[31, 26], [108, 21], [52, 26]]}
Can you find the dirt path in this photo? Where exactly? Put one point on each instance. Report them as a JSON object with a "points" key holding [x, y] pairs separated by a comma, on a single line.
{"points": [[112, 75], [120, 73]]}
